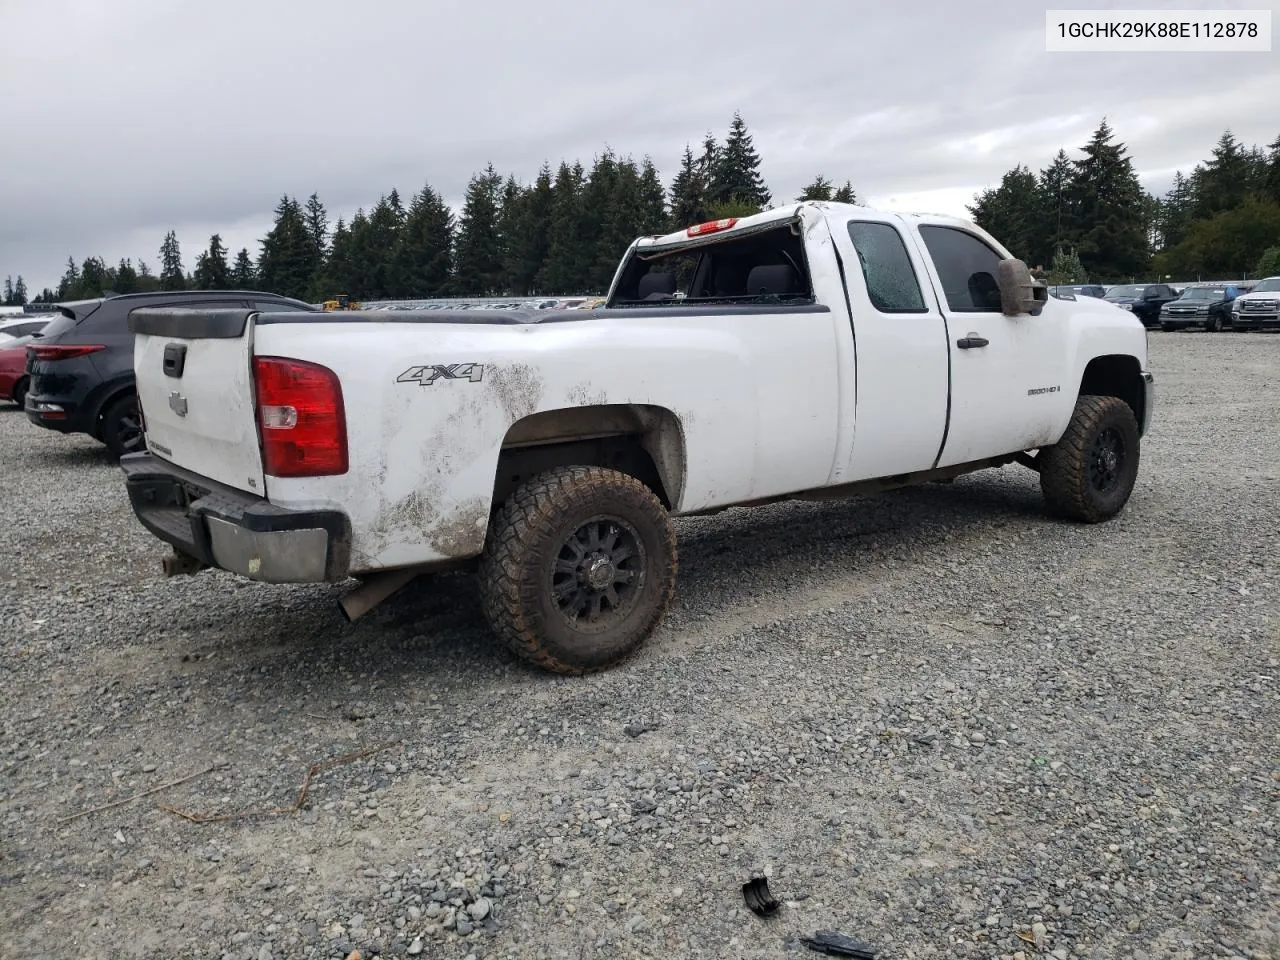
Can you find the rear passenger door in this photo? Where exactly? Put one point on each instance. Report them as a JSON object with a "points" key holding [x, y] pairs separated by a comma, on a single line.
{"points": [[900, 345], [1008, 374]]}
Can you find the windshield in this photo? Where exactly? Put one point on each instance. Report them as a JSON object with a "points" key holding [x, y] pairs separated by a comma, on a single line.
{"points": [[1132, 291], [1203, 293], [1270, 285]]}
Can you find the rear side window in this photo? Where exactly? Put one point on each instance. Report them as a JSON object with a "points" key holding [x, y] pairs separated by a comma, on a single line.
{"points": [[61, 323], [891, 280], [967, 268]]}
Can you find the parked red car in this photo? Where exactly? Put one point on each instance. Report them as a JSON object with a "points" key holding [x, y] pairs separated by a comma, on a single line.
{"points": [[13, 369]]}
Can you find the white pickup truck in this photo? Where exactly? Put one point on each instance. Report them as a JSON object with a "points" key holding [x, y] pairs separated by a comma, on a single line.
{"points": [[814, 351]]}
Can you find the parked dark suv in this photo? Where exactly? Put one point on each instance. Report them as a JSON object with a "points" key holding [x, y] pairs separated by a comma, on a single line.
{"points": [[1144, 299], [81, 365]]}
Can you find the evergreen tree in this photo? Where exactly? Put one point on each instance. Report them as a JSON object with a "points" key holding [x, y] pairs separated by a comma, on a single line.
{"points": [[735, 173], [653, 200], [94, 279], [424, 251], [286, 264], [563, 270], [1271, 176], [1176, 211], [510, 220], [479, 258], [820, 189], [20, 292], [1053, 216], [8, 292], [212, 272], [1066, 268], [148, 282], [339, 268], [620, 211], [243, 275], [1225, 179], [1009, 212], [318, 233], [126, 277], [1108, 209], [379, 243], [46, 296], [845, 194], [1268, 264], [361, 258], [69, 285], [689, 200], [528, 228], [171, 275]]}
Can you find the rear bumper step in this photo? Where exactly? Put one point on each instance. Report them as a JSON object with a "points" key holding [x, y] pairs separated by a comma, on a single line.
{"points": [[236, 531]]}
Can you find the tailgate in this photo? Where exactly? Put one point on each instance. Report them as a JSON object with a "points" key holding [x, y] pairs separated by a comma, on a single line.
{"points": [[195, 384]]}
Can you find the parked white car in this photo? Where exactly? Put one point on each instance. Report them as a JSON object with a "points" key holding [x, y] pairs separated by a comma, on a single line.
{"points": [[1259, 308], [814, 351]]}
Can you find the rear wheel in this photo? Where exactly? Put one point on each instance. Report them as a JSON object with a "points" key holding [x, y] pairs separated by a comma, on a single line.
{"points": [[1089, 474], [20, 391], [122, 427], [579, 568]]}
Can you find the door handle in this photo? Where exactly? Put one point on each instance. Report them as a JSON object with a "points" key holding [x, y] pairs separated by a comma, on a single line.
{"points": [[971, 341]]}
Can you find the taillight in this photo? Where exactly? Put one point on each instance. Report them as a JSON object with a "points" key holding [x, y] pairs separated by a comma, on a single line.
{"points": [[711, 226], [301, 418], [63, 351]]}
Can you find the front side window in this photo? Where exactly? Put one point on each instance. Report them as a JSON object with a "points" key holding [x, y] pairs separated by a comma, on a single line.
{"points": [[891, 280], [967, 268]]}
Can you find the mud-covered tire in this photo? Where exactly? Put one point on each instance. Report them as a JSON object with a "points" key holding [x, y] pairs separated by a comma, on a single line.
{"points": [[1089, 474], [538, 568], [121, 428]]}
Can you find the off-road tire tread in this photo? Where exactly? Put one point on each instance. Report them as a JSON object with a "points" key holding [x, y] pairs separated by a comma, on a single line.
{"points": [[1064, 466], [509, 602]]}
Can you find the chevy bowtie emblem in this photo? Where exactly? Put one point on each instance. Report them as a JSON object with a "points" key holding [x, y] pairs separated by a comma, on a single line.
{"points": [[178, 403]]}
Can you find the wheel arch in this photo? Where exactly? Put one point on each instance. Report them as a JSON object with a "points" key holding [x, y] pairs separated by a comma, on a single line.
{"points": [[109, 395], [642, 440], [1116, 375]]}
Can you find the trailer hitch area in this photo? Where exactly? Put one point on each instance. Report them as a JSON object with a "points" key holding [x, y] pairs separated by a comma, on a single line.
{"points": [[179, 564]]}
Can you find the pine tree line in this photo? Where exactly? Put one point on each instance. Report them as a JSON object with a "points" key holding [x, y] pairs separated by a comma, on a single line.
{"points": [[1092, 220], [562, 233]]}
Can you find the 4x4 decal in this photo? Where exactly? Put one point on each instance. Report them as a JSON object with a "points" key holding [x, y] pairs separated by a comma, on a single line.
{"points": [[428, 374]]}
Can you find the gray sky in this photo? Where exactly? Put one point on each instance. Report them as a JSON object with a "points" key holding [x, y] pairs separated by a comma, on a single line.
{"points": [[138, 116]]}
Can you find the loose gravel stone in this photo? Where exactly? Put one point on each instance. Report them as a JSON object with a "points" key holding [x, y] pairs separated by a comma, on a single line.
{"points": [[936, 720]]}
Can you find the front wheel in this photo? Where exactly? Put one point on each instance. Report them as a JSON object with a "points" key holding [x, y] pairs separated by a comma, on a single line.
{"points": [[1168, 327], [1213, 324], [1089, 474], [20, 391], [579, 568], [122, 427]]}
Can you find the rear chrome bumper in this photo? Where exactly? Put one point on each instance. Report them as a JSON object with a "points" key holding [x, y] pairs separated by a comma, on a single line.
{"points": [[223, 527]]}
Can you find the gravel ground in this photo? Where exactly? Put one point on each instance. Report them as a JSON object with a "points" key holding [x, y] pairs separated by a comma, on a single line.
{"points": [[937, 720]]}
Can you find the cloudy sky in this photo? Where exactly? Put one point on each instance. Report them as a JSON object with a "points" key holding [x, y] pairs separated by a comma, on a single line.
{"points": [[126, 118]]}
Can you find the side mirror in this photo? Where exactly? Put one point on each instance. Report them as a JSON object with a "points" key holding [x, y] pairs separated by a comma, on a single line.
{"points": [[1020, 293]]}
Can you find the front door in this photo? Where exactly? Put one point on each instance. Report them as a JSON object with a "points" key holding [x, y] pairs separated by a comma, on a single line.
{"points": [[1008, 385], [900, 344]]}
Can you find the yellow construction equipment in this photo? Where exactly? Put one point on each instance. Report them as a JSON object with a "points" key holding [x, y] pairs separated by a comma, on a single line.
{"points": [[340, 302]]}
